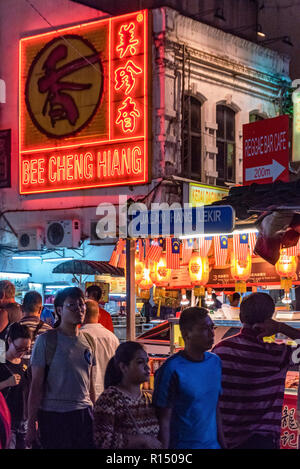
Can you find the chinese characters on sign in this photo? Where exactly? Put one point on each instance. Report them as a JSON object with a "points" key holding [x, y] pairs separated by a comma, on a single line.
{"points": [[289, 427], [83, 106]]}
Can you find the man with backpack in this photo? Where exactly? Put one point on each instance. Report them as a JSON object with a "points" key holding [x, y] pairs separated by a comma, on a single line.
{"points": [[32, 307], [62, 393]]}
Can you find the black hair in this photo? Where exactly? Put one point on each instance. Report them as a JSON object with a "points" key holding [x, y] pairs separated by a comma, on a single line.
{"points": [[95, 292], [32, 302], [124, 354], [236, 296], [190, 316], [256, 307], [17, 331], [73, 292]]}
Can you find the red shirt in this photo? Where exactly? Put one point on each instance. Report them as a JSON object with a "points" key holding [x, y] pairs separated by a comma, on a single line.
{"points": [[104, 318]]}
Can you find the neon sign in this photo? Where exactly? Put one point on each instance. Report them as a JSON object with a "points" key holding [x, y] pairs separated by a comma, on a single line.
{"points": [[84, 106]]}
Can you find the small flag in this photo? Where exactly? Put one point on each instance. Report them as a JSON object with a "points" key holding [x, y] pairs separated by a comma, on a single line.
{"points": [[187, 250], [122, 258], [252, 242], [204, 245], [146, 250], [172, 253], [117, 252], [294, 250], [221, 249], [240, 246], [154, 252], [141, 250]]}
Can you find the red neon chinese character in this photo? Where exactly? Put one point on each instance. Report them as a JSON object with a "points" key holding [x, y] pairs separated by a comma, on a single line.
{"points": [[127, 40], [61, 104], [127, 115], [124, 76]]}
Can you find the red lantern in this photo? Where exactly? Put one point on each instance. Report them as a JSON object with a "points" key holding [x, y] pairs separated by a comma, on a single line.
{"points": [[198, 269], [240, 272], [162, 273]]}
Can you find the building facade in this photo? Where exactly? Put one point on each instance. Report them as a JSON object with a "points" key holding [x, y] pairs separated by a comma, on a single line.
{"points": [[203, 85]]}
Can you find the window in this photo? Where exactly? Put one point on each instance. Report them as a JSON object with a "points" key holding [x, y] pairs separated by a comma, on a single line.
{"points": [[225, 144], [192, 141], [254, 117]]}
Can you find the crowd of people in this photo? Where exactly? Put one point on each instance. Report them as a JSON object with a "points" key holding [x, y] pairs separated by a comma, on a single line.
{"points": [[74, 386]]}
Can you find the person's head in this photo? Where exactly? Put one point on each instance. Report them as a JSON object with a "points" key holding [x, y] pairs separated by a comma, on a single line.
{"points": [[94, 292], [14, 311], [3, 319], [7, 290], [235, 299], [92, 312], [18, 340], [130, 362], [256, 308], [69, 306], [32, 304], [197, 329]]}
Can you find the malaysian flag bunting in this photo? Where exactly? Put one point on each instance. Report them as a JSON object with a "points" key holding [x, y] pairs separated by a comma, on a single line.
{"points": [[240, 246], [221, 249], [172, 253], [117, 252], [155, 251], [204, 245], [122, 259], [187, 250], [141, 250], [252, 242], [294, 250], [146, 247]]}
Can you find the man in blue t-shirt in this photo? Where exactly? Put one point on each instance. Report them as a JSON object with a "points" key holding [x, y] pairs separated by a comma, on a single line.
{"points": [[187, 388]]}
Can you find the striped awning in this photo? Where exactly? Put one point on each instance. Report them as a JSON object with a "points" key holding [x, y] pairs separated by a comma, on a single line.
{"points": [[83, 267]]}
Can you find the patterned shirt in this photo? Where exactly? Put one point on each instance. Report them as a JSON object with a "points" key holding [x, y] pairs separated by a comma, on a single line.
{"points": [[253, 379], [113, 423]]}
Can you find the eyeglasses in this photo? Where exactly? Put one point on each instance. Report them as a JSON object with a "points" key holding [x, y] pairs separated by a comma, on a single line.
{"points": [[75, 306], [21, 349]]}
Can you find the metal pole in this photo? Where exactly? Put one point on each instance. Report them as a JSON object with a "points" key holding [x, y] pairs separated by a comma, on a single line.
{"points": [[130, 289]]}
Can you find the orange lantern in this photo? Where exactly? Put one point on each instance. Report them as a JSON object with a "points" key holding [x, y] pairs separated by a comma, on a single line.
{"points": [[240, 272], [286, 267], [162, 273], [146, 282], [139, 270]]}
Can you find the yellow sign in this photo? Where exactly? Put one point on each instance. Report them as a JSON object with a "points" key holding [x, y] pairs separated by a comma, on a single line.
{"points": [[200, 194]]}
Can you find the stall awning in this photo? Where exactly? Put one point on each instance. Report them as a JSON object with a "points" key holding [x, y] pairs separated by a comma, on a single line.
{"points": [[83, 267]]}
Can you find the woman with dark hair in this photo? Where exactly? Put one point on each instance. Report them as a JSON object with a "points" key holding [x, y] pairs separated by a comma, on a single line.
{"points": [[14, 381], [123, 415]]}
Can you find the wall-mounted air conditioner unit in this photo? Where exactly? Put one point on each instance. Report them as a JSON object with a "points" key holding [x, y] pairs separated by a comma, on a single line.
{"points": [[63, 234]]}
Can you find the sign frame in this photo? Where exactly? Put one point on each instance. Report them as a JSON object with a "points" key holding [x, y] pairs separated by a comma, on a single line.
{"points": [[128, 148]]}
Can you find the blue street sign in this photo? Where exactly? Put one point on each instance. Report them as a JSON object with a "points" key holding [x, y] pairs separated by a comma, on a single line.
{"points": [[188, 221]]}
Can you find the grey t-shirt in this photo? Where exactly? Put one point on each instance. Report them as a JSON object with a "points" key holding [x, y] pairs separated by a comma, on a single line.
{"points": [[68, 379]]}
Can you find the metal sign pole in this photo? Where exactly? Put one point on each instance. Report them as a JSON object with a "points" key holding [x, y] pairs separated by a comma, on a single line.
{"points": [[130, 289]]}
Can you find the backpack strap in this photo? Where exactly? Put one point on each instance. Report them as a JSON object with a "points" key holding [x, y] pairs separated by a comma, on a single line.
{"points": [[36, 331], [90, 341], [51, 344]]}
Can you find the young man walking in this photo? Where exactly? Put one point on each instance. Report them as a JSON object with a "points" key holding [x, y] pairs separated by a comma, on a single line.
{"points": [[187, 388], [106, 343], [253, 377], [62, 391]]}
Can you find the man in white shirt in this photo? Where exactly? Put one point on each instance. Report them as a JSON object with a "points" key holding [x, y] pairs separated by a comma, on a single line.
{"points": [[106, 343]]}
